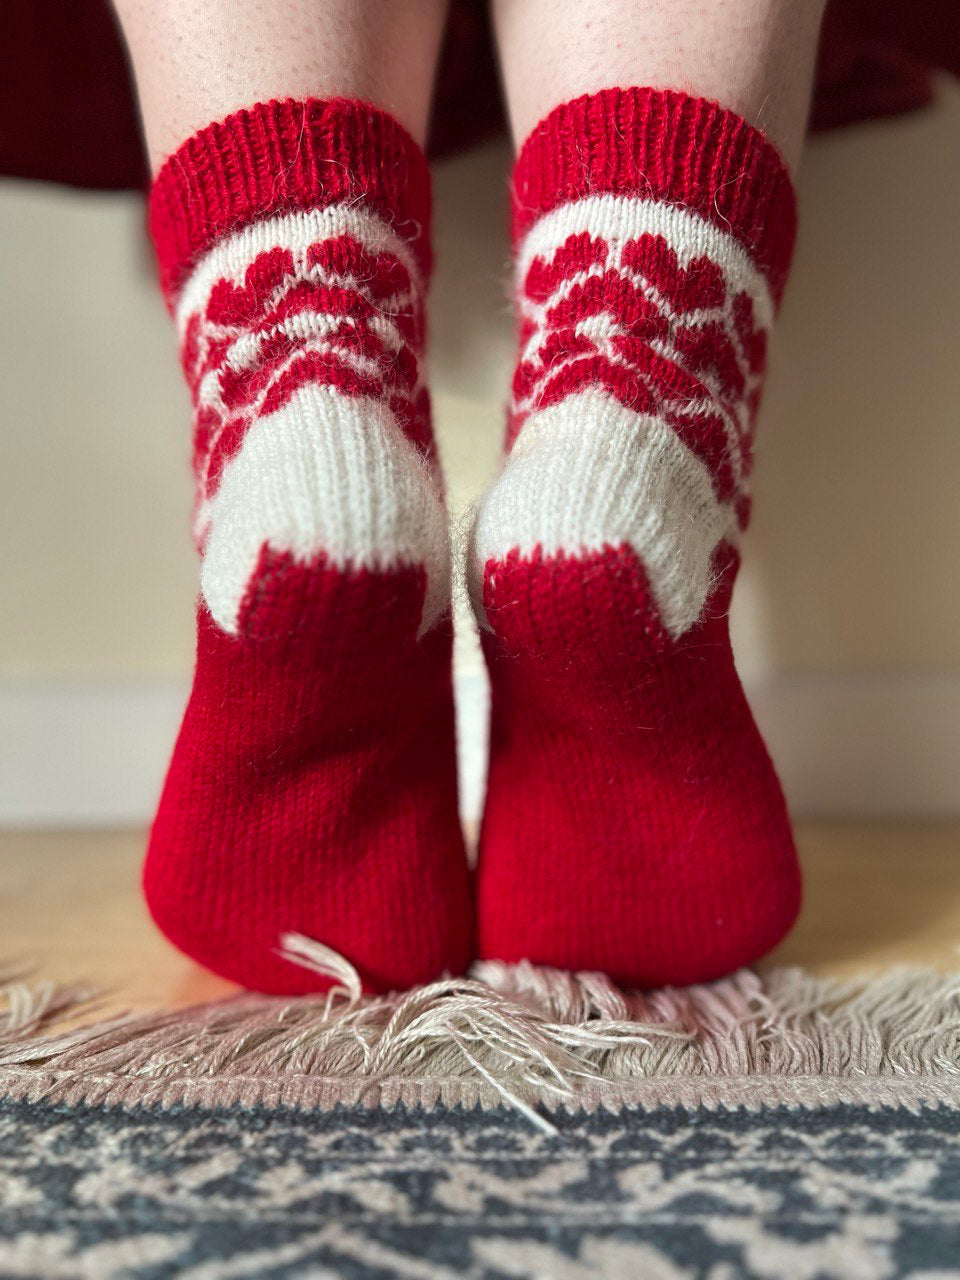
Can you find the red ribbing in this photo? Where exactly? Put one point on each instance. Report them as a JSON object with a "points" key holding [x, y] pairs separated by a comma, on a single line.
{"points": [[279, 157], [666, 146]]}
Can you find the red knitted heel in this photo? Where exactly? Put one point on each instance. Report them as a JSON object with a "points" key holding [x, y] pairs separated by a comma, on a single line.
{"points": [[312, 788], [634, 823]]}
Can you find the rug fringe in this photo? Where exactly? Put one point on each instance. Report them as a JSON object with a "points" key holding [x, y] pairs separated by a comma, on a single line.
{"points": [[533, 1035]]}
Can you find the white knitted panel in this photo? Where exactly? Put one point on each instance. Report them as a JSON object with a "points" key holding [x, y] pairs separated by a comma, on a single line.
{"points": [[229, 258], [618, 219], [326, 473], [588, 473]]}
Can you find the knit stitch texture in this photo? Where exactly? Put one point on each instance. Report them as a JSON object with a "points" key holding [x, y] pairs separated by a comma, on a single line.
{"points": [[312, 789], [634, 823]]}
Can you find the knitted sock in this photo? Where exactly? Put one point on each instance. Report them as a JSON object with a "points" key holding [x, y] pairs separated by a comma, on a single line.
{"points": [[634, 823], [312, 787]]}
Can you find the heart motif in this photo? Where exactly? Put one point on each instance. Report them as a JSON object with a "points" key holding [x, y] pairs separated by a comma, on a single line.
{"points": [[700, 285], [577, 253], [231, 304]]}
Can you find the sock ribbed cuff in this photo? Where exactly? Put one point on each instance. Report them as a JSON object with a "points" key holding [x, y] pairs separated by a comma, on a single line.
{"points": [[662, 145], [284, 156]]}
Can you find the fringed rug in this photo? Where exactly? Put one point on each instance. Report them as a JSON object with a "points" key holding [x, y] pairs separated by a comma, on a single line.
{"points": [[522, 1123]]}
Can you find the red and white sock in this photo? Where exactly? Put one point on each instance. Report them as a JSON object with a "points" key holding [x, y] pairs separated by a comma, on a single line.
{"points": [[634, 823], [312, 788]]}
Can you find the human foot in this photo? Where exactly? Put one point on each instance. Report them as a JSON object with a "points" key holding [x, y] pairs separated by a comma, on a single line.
{"points": [[312, 788], [634, 823]]}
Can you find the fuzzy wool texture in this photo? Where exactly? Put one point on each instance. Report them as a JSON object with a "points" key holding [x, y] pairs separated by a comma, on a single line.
{"points": [[302, 342], [634, 822], [313, 783], [589, 474]]}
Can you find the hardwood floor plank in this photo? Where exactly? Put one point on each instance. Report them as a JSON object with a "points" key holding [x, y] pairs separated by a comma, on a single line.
{"points": [[878, 895]]}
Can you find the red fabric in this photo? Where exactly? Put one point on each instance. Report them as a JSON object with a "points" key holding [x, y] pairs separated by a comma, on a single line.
{"points": [[312, 788], [664, 146], [278, 291], [634, 823], [278, 157], [876, 57], [67, 110]]}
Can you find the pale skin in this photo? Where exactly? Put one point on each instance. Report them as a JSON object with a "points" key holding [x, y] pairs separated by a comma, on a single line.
{"points": [[755, 57], [197, 61]]}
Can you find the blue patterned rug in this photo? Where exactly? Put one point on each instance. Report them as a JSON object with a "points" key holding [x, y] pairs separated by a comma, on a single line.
{"points": [[523, 1124]]}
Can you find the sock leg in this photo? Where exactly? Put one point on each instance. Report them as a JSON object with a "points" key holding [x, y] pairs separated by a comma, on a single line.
{"points": [[312, 787], [634, 822]]}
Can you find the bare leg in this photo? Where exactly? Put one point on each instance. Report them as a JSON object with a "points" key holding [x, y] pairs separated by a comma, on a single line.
{"points": [[198, 62], [753, 56]]}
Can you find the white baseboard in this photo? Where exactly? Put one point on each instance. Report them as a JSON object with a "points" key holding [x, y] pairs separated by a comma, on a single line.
{"points": [[84, 754], [856, 745], [847, 746]]}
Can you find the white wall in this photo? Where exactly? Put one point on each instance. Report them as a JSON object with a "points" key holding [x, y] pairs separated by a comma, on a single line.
{"points": [[847, 619]]}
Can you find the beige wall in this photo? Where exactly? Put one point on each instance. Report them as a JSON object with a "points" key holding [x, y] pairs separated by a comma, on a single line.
{"points": [[851, 568]]}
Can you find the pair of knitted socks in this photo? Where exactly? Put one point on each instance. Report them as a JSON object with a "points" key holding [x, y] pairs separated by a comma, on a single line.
{"points": [[633, 822]]}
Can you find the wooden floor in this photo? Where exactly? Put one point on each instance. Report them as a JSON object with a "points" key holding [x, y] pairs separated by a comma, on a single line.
{"points": [[877, 895]]}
